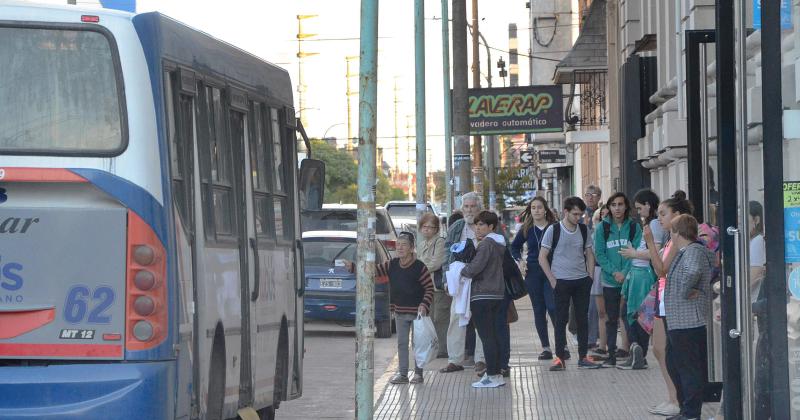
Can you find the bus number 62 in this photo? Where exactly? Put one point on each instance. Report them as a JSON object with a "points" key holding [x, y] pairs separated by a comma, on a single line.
{"points": [[79, 299]]}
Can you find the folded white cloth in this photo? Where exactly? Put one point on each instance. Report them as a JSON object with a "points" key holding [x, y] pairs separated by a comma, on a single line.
{"points": [[460, 288]]}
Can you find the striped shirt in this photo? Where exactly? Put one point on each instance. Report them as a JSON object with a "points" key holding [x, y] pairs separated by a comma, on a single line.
{"points": [[410, 286]]}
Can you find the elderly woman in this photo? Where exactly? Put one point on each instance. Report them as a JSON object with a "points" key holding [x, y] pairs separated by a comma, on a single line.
{"points": [[687, 301], [431, 251], [411, 292]]}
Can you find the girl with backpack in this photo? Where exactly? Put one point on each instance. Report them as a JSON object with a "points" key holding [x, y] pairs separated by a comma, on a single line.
{"points": [[537, 217], [640, 278], [614, 233]]}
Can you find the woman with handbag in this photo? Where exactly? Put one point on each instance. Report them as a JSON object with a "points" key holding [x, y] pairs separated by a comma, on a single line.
{"points": [[640, 279], [431, 251]]}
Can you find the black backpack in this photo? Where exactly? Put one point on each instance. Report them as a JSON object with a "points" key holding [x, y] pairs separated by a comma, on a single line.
{"points": [[631, 231], [557, 234]]}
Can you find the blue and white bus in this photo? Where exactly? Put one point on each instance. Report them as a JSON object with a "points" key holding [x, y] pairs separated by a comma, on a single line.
{"points": [[150, 261]]}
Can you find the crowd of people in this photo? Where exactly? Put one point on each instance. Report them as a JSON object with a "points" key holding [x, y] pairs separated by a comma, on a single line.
{"points": [[643, 269]]}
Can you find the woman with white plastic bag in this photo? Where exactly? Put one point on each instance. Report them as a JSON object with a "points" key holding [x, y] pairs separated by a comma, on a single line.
{"points": [[411, 291]]}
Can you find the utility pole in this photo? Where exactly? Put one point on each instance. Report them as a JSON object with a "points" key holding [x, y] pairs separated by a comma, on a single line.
{"points": [[448, 108], [350, 137], [477, 146], [365, 260], [396, 172], [461, 155], [419, 79], [301, 87]]}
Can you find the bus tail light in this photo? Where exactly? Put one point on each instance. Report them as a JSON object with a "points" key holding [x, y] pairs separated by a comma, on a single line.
{"points": [[146, 289], [390, 244]]}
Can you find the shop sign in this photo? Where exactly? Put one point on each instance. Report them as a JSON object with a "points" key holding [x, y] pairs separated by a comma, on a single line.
{"points": [[553, 156], [791, 220], [786, 14], [516, 110]]}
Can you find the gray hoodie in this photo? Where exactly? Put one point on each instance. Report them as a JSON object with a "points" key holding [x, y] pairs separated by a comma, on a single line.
{"points": [[687, 296], [486, 269]]}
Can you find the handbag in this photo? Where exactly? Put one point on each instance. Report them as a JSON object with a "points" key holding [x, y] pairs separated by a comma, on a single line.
{"points": [[647, 310], [438, 275], [515, 283], [512, 315]]}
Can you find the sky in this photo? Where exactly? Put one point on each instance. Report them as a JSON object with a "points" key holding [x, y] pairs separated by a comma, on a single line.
{"points": [[268, 29]]}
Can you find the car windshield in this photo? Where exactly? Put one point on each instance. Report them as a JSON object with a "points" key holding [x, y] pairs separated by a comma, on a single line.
{"points": [[325, 251], [340, 220], [405, 211], [59, 90]]}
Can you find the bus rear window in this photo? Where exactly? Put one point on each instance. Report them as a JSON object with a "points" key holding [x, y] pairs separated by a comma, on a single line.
{"points": [[59, 93]]}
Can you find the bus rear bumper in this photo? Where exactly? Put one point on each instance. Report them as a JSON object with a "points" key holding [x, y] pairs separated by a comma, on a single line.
{"points": [[88, 391]]}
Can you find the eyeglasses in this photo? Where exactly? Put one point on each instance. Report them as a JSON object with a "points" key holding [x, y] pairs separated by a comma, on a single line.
{"points": [[429, 227], [591, 194]]}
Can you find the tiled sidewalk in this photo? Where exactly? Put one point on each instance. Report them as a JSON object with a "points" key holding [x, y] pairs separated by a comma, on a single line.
{"points": [[532, 392]]}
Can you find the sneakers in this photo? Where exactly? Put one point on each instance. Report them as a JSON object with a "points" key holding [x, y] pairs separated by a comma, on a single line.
{"points": [[665, 408], [637, 357], [489, 381], [417, 379], [599, 353], [621, 354], [558, 365], [626, 365], [585, 363], [506, 373], [399, 379], [546, 355], [480, 368], [611, 361]]}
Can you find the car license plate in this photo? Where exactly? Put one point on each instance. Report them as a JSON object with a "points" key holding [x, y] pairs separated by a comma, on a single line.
{"points": [[330, 283]]}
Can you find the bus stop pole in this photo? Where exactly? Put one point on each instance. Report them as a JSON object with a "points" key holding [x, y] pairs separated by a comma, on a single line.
{"points": [[419, 63], [365, 260], [448, 129]]}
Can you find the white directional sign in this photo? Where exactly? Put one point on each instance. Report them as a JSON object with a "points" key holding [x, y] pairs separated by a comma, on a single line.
{"points": [[526, 157]]}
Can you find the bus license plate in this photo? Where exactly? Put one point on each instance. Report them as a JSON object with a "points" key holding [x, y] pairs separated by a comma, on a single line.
{"points": [[330, 283]]}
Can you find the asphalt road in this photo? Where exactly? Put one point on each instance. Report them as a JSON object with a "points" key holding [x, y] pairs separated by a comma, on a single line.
{"points": [[329, 373]]}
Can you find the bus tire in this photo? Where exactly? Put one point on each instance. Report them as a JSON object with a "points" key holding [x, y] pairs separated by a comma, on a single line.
{"points": [[216, 376], [384, 328], [267, 413]]}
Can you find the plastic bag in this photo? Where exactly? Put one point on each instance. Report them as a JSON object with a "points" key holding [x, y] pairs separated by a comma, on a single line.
{"points": [[426, 345]]}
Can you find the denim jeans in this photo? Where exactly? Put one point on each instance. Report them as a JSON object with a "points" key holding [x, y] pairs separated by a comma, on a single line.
{"points": [[404, 323], [542, 300], [687, 367], [503, 332], [576, 292], [484, 315]]}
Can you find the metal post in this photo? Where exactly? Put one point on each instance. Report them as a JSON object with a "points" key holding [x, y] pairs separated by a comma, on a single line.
{"points": [[365, 280], [448, 132], [461, 155], [419, 61], [477, 143]]}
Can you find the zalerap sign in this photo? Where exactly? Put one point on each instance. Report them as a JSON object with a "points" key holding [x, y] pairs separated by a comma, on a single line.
{"points": [[516, 110]]}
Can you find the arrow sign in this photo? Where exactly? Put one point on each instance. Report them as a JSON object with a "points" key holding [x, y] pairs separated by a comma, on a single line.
{"points": [[526, 157]]}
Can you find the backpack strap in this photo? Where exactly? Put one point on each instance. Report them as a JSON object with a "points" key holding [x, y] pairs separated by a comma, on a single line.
{"points": [[584, 233], [556, 235]]}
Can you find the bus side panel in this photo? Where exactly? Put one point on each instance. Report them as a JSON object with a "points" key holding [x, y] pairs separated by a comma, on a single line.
{"points": [[267, 314]]}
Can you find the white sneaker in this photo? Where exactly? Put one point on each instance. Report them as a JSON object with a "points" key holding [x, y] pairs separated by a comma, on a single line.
{"points": [[666, 408], [499, 379], [487, 382]]}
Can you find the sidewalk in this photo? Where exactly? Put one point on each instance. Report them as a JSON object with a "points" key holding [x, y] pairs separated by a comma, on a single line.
{"points": [[532, 392]]}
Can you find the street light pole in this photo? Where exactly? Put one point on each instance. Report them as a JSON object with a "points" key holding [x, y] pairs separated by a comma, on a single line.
{"points": [[419, 60], [301, 87], [365, 260], [325, 136], [448, 107]]}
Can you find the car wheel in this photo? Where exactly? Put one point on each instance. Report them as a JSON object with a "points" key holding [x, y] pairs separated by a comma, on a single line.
{"points": [[384, 328]]}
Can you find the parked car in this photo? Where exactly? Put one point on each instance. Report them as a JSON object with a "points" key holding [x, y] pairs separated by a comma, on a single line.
{"points": [[345, 217], [330, 289], [404, 215]]}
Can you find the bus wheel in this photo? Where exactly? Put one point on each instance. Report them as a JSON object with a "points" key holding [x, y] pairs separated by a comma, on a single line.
{"points": [[384, 328], [216, 376], [267, 413]]}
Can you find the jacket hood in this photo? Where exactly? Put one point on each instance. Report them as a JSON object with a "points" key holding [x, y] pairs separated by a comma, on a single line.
{"points": [[497, 238]]}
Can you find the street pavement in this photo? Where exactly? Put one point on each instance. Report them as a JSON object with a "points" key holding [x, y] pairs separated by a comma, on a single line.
{"points": [[532, 392]]}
